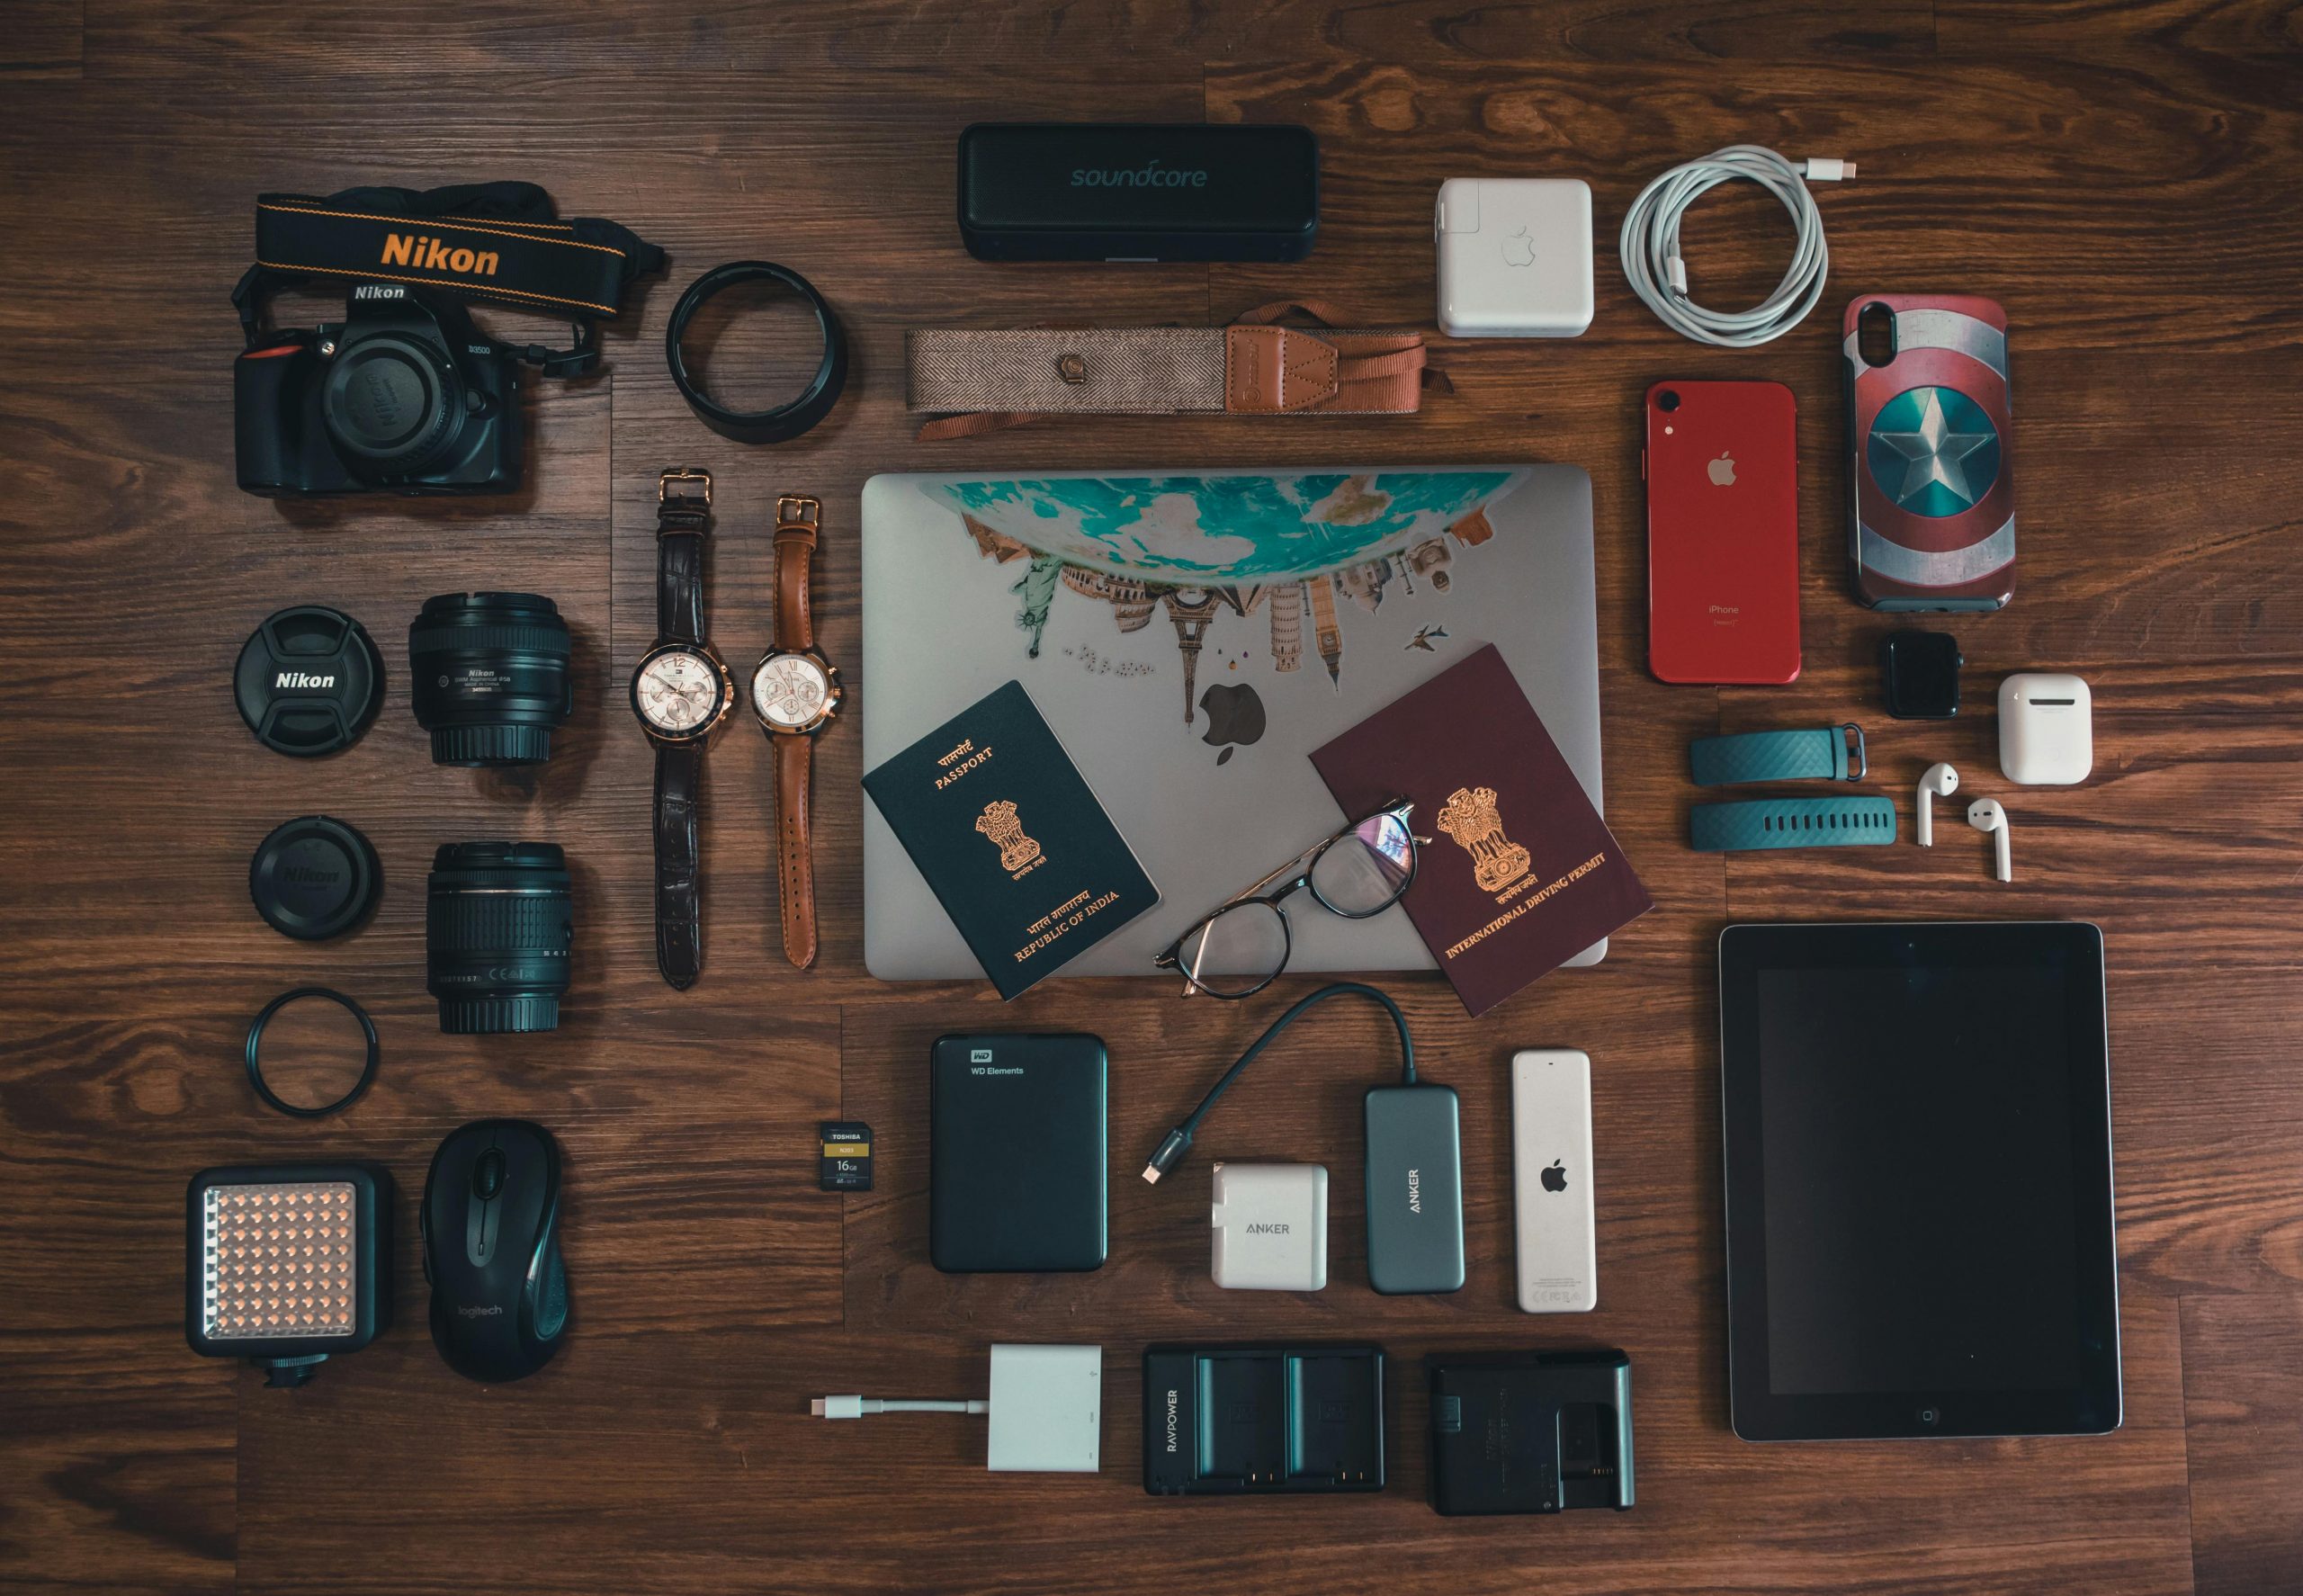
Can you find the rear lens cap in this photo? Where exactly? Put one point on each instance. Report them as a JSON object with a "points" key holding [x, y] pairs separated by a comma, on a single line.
{"points": [[314, 878], [308, 681]]}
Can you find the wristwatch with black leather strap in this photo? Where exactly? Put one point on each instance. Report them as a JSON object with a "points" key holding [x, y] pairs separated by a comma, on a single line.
{"points": [[681, 691], [795, 692]]}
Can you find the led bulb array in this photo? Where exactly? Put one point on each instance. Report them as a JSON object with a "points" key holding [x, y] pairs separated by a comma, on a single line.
{"points": [[279, 1260]]}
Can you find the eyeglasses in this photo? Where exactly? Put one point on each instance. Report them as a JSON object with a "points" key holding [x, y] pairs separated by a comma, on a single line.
{"points": [[1242, 947]]}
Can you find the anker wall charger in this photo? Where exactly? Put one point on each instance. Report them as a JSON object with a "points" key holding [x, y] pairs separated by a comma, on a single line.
{"points": [[1269, 1223]]}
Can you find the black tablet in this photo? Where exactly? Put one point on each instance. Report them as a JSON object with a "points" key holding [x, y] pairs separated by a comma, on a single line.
{"points": [[1918, 1129]]}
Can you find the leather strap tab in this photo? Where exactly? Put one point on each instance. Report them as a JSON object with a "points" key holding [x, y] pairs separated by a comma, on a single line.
{"points": [[1269, 370], [796, 546], [679, 923], [796, 872], [682, 518]]}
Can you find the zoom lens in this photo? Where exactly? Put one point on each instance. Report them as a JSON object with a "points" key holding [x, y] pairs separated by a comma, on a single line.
{"points": [[497, 923], [489, 673]]}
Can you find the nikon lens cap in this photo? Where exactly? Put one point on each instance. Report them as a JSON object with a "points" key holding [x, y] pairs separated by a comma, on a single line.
{"points": [[314, 878], [308, 681]]}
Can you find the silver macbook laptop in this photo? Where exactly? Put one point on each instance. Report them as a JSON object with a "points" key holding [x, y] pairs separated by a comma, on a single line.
{"points": [[1164, 624]]}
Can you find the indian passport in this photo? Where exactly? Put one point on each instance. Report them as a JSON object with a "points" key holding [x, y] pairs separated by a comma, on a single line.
{"points": [[1011, 839], [1521, 874]]}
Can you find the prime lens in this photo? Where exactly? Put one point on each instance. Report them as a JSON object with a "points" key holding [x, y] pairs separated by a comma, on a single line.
{"points": [[489, 673], [499, 919]]}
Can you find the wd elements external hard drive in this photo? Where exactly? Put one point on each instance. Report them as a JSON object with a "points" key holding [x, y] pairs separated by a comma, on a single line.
{"points": [[1016, 1152]]}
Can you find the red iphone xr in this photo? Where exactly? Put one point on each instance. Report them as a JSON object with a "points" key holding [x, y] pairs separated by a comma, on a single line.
{"points": [[1723, 533]]}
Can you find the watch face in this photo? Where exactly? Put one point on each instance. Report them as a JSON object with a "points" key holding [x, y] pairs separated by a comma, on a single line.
{"points": [[677, 691], [791, 691]]}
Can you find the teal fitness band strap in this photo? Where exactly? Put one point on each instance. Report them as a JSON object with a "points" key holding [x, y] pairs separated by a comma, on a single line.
{"points": [[1791, 822], [1827, 753]]}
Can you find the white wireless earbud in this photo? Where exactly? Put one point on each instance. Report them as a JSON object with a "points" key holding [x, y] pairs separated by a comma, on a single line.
{"points": [[1940, 782], [1985, 815]]}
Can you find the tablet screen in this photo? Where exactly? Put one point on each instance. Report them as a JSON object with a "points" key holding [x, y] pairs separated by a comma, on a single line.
{"points": [[1918, 1179], [1919, 1209]]}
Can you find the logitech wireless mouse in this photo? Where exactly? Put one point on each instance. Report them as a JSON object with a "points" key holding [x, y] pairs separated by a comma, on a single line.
{"points": [[491, 1250]]}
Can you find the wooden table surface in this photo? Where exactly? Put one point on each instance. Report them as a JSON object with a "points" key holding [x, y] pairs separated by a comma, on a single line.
{"points": [[2124, 179]]}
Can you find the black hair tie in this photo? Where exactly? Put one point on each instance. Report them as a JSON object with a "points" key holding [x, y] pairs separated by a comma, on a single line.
{"points": [[760, 426]]}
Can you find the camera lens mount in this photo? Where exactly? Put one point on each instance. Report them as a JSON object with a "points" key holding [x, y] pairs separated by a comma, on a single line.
{"points": [[390, 403], [498, 923]]}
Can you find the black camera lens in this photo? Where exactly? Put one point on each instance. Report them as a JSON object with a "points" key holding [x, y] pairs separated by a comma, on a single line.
{"points": [[497, 923], [1666, 401], [489, 673], [390, 402]]}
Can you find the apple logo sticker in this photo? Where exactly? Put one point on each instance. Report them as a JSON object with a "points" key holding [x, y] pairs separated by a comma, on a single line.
{"points": [[1234, 715], [1723, 470], [1519, 249], [1555, 1178]]}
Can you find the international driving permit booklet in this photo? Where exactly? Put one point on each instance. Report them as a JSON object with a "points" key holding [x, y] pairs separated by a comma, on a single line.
{"points": [[1521, 874]]}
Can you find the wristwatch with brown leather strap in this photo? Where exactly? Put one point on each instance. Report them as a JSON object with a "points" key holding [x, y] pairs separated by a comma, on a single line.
{"points": [[681, 691], [795, 692]]}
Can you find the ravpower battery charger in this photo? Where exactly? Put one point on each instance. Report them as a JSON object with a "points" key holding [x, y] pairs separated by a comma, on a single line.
{"points": [[1262, 1421], [1550, 1179]]}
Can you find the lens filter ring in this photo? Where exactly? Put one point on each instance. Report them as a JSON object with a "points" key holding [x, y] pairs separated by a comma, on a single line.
{"points": [[254, 1052]]}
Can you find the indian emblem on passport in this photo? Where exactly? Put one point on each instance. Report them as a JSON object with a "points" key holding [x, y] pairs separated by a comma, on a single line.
{"points": [[999, 822], [1471, 818]]}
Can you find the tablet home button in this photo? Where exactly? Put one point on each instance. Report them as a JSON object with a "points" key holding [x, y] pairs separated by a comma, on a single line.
{"points": [[1930, 1417]]}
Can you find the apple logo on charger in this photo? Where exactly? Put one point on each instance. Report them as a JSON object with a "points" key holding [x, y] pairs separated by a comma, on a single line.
{"points": [[1723, 470], [1555, 1178], [1519, 249]]}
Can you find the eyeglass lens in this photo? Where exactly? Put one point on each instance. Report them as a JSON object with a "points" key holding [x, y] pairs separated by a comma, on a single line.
{"points": [[1236, 950], [1365, 870]]}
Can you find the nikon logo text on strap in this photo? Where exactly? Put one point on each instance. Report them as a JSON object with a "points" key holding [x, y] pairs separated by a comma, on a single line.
{"points": [[427, 253]]}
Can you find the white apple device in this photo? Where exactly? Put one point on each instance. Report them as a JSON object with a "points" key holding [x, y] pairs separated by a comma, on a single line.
{"points": [[2047, 728], [1985, 815], [1551, 1180], [1515, 257], [1940, 782]]}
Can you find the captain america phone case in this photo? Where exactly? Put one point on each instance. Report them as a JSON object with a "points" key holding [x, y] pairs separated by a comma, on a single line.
{"points": [[1929, 455]]}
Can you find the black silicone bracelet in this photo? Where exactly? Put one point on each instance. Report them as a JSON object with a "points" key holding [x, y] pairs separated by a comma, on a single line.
{"points": [[254, 1052], [759, 426]]}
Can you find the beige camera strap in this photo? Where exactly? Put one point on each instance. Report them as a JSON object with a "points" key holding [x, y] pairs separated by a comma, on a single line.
{"points": [[981, 381]]}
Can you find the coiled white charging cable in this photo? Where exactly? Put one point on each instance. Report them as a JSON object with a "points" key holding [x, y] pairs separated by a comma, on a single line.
{"points": [[1650, 243]]}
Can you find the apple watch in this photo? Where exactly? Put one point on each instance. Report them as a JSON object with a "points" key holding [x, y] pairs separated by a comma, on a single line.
{"points": [[681, 692]]}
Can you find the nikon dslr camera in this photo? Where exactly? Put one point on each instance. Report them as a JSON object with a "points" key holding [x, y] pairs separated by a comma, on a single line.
{"points": [[404, 395]]}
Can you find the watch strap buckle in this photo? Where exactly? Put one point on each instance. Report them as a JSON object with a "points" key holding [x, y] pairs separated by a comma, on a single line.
{"points": [[798, 510], [695, 483], [1857, 763]]}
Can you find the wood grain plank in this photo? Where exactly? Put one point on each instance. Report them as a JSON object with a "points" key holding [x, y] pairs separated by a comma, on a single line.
{"points": [[2243, 1382]]}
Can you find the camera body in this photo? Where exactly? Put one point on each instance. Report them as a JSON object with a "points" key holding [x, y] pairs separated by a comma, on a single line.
{"points": [[405, 395]]}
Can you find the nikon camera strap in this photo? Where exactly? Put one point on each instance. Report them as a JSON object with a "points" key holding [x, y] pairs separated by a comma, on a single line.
{"points": [[487, 240]]}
